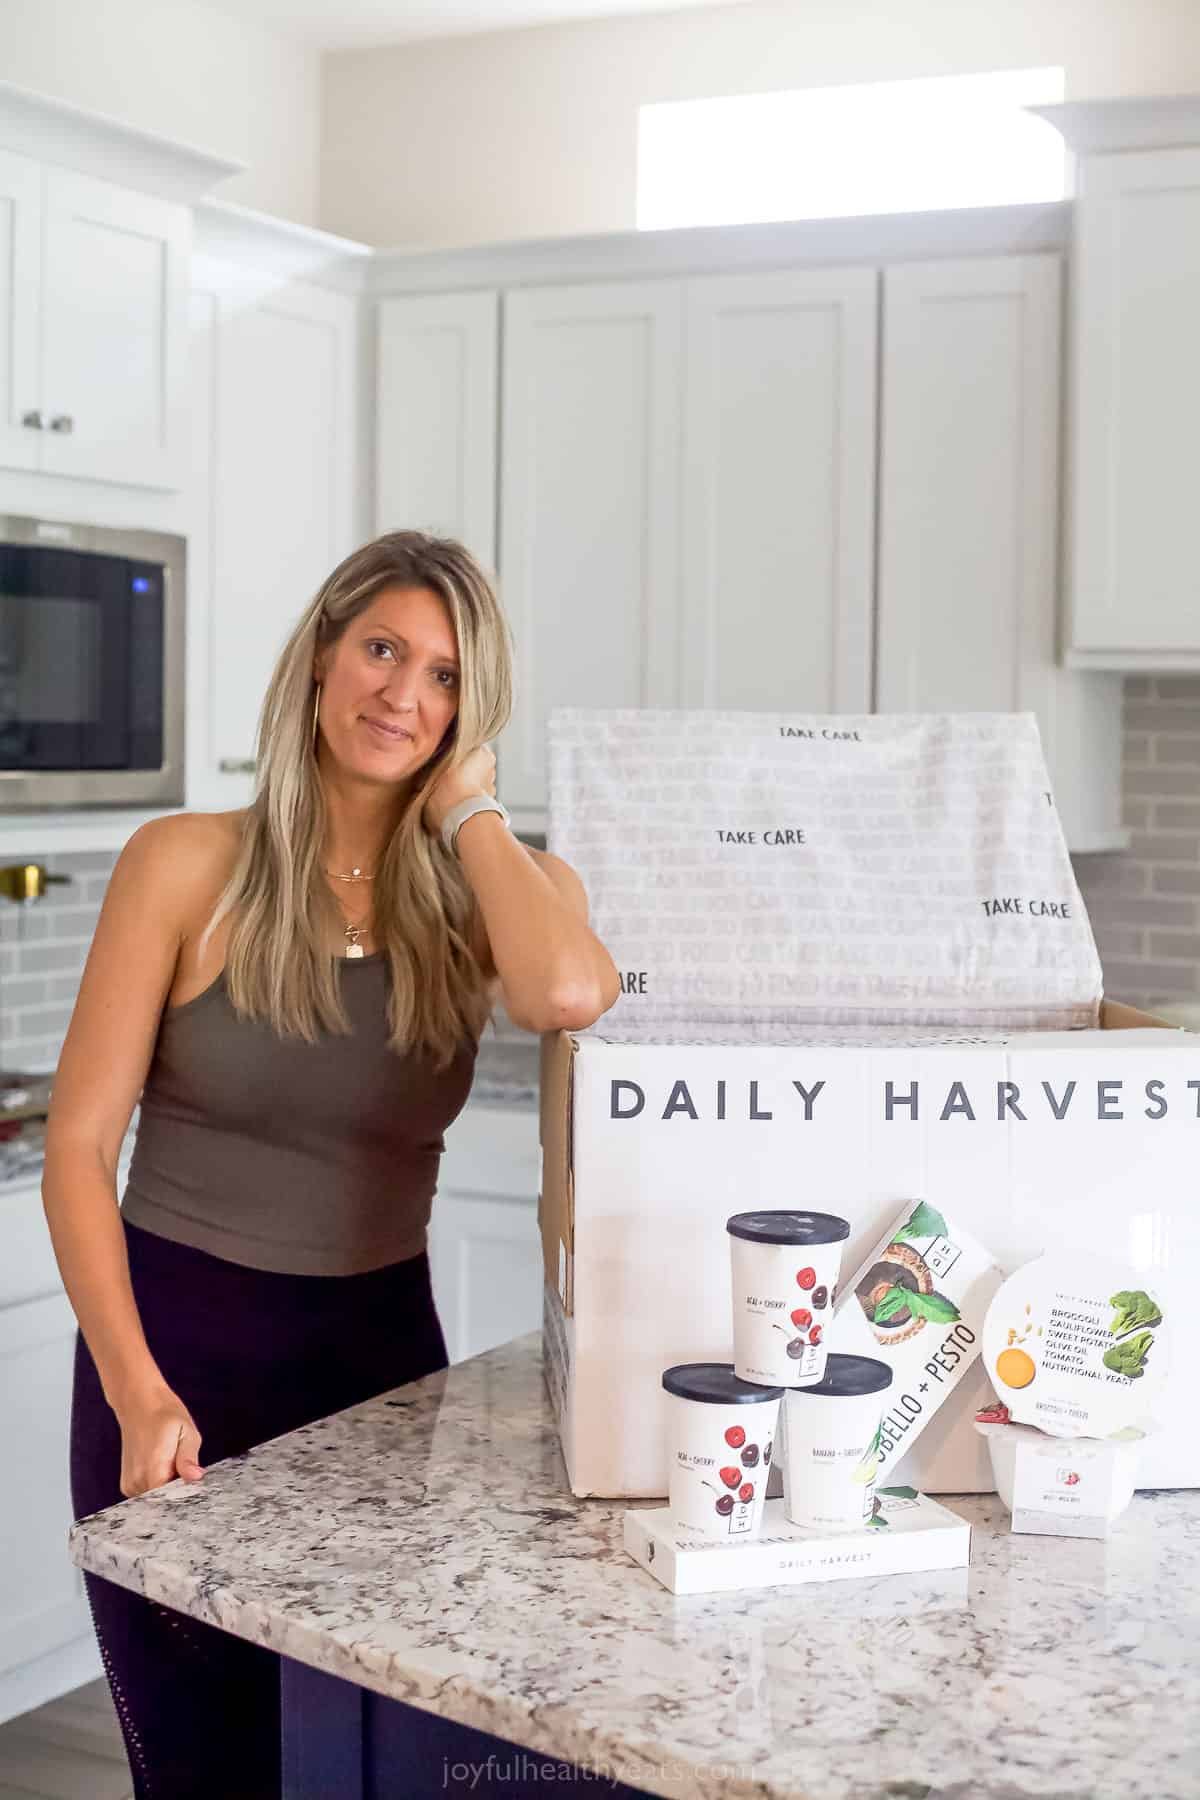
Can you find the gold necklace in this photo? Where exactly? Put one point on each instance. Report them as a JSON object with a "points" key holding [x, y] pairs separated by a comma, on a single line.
{"points": [[353, 932]]}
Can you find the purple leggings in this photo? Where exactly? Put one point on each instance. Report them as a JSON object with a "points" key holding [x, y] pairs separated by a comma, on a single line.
{"points": [[252, 1354]]}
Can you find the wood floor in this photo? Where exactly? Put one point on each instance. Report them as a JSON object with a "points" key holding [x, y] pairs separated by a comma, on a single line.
{"points": [[70, 1749]]}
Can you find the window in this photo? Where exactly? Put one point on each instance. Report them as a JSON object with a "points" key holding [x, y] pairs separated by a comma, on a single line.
{"points": [[818, 153]]}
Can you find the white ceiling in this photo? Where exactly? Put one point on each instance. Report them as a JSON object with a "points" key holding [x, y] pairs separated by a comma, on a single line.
{"points": [[356, 24]]}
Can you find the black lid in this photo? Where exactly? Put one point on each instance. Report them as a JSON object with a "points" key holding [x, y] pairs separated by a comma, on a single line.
{"points": [[846, 1376], [716, 1383], [788, 1227]]}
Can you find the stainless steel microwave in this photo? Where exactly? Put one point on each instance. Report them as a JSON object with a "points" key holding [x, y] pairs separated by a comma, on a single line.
{"points": [[91, 666]]}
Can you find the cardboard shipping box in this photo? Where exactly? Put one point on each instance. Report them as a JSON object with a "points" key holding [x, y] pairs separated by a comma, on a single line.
{"points": [[1032, 1141]]}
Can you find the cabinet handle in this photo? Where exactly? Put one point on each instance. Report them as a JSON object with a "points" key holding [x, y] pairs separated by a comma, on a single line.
{"points": [[236, 765], [33, 420], [62, 422]]}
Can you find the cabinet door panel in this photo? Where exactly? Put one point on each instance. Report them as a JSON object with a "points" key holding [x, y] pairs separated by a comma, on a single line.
{"points": [[114, 323], [273, 472], [779, 460], [20, 298], [435, 444], [485, 1259], [1135, 398], [968, 521], [968, 482], [589, 508], [42, 1602]]}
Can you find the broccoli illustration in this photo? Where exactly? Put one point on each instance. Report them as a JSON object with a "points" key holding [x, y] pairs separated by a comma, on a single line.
{"points": [[1129, 1356], [1133, 1309]]}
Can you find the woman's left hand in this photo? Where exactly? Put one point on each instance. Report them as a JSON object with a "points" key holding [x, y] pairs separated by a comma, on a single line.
{"points": [[476, 774]]}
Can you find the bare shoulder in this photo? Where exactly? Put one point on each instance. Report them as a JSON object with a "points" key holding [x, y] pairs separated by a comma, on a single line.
{"points": [[185, 854]]}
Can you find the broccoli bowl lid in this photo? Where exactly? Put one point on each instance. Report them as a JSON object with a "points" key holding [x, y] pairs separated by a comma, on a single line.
{"points": [[786, 1227], [716, 1384], [848, 1376], [1078, 1345]]}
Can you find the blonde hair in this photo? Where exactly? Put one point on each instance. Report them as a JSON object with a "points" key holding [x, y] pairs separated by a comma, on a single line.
{"points": [[278, 966]]}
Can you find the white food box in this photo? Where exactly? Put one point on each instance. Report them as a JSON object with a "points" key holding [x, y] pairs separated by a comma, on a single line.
{"points": [[1063, 1487], [911, 1533], [1028, 1141]]}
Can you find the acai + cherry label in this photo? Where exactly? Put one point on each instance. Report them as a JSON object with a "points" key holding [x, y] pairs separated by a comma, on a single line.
{"points": [[785, 1267], [720, 1441]]}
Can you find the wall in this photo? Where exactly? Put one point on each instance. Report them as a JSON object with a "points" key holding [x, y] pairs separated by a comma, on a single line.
{"points": [[1144, 904], [43, 948], [187, 71], [534, 133]]}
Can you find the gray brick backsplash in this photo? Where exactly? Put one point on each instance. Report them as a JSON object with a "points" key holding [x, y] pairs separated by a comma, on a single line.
{"points": [[1159, 781], [1176, 943], [1152, 958], [23, 990], [1144, 903], [1179, 750], [1156, 715], [1150, 984], [1149, 848], [1168, 879]]}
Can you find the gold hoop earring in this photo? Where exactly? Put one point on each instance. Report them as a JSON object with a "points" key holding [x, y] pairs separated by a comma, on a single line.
{"points": [[316, 704]]}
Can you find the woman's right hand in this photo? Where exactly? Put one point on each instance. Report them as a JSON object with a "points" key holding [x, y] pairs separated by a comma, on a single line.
{"points": [[159, 1440]]}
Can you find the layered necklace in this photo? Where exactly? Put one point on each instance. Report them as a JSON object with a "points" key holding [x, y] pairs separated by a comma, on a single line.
{"points": [[353, 932]]}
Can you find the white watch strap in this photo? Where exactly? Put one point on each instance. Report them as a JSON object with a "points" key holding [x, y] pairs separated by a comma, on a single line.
{"points": [[463, 810]]}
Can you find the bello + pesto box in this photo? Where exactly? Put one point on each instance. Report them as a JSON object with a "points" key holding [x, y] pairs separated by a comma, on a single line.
{"points": [[917, 1303]]}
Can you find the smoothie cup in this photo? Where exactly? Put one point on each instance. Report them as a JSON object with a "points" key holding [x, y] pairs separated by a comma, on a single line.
{"points": [[785, 1268], [830, 1444], [720, 1435]]}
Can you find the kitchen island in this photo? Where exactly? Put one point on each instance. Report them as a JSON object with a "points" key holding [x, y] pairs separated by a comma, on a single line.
{"points": [[438, 1597]]}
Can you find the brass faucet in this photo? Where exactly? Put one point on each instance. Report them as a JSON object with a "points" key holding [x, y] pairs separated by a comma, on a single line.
{"points": [[26, 881]]}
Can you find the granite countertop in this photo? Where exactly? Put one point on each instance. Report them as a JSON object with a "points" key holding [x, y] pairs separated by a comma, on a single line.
{"points": [[425, 1545]]}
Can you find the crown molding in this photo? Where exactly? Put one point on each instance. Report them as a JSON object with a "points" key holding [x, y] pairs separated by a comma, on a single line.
{"points": [[1130, 122], [620, 255], [52, 131], [278, 247]]}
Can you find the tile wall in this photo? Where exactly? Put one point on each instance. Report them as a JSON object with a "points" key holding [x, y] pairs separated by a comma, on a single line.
{"points": [[1144, 903]]}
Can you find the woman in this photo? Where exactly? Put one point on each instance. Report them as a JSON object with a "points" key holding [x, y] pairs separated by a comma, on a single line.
{"points": [[296, 991]]}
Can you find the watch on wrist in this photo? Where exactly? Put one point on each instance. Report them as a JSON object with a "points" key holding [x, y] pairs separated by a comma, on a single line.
{"points": [[463, 810]]}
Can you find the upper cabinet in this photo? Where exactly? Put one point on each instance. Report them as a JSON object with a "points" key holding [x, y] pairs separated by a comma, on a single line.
{"points": [[778, 450], [114, 326], [435, 417], [589, 509], [968, 538], [20, 284], [93, 320], [1133, 582], [93, 293], [272, 483], [687, 498]]}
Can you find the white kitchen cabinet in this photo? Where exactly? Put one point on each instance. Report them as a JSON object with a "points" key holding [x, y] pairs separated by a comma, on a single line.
{"points": [[114, 327], [968, 509], [20, 286], [589, 509], [273, 475], [47, 1642], [779, 490], [485, 1249], [94, 323], [43, 1607], [437, 371], [1133, 551]]}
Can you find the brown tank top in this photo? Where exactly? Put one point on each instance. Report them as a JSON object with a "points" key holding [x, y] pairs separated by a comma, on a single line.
{"points": [[308, 1159]]}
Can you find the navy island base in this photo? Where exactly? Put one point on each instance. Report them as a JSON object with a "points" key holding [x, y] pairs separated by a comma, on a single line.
{"points": [[339, 1738]]}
